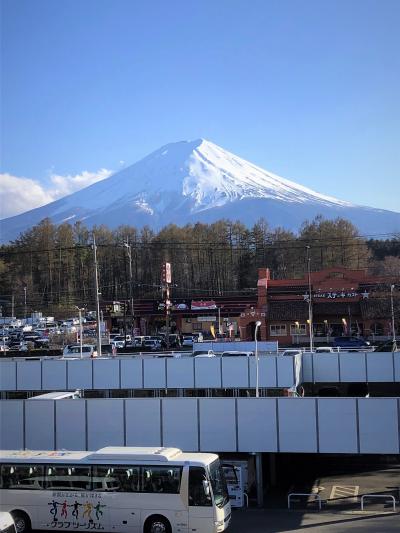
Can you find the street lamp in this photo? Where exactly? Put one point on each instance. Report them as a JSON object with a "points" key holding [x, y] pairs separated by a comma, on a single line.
{"points": [[310, 317], [258, 324]]}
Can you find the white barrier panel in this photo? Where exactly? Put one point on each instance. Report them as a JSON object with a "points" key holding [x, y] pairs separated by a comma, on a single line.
{"points": [[396, 360], [207, 373], [257, 413], [39, 425], [180, 423], [187, 372], [132, 373], [12, 425], [337, 425], [154, 373], [217, 425], [105, 423], [307, 373], [106, 374], [235, 372], [267, 372], [326, 367], [379, 425], [8, 375], [70, 424], [285, 371], [380, 369], [54, 375], [309, 425], [237, 346], [143, 422], [180, 373], [29, 375], [297, 425], [80, 374], [353, 367]]}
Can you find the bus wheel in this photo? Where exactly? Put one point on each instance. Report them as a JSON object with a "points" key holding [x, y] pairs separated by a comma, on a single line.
{"points": [[157, 524], [22, 522]]}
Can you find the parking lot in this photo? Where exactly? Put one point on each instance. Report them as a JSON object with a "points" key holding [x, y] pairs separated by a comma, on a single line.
{"points": [[340, 482]]}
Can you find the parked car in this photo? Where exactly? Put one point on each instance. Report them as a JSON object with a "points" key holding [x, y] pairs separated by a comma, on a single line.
{"points": [[350, 342], [187, 340], [203, 353], [324, 349], [120, 341], [292, 352], [237, 354], [152, 344]]}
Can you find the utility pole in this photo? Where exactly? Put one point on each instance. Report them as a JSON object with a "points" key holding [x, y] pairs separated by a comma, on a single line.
{"points": [[25, 309], [166, 279], [12, 305], [97, 297], [128, 247], [310, 317], [393, 322]]}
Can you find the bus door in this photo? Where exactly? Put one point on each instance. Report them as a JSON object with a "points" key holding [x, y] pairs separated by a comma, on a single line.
{"points": [[201, 511]]}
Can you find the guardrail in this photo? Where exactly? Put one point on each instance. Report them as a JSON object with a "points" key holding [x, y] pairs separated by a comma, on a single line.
{"points": [[316, 496], [386, 496]]}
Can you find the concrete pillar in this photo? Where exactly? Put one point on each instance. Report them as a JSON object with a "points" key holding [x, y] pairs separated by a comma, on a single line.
{"points": [[259, 480]]}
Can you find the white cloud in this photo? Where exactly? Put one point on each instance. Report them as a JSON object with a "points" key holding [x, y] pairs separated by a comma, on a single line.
{"points": [[19, 194]]}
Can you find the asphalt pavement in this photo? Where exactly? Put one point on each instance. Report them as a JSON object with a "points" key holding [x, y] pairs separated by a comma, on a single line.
{"points": [[273, 521]]}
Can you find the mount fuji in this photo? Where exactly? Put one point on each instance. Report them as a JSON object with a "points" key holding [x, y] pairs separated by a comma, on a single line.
{"points": [[197, 181]]}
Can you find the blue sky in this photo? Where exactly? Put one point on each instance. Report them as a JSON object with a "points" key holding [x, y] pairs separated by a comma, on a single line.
{"points": [[308, 89]]}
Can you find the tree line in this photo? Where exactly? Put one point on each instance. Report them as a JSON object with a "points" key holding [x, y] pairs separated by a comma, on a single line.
{"points": [[51, 267]]}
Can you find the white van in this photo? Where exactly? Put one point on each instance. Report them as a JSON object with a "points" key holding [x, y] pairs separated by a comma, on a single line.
{"points": [[74, 350]]}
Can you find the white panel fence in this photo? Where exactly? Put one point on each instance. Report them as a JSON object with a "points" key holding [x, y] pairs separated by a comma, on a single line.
{"points": [[190, 373], [305, 425]]}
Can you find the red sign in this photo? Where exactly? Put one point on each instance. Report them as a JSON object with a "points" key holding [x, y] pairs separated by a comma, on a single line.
{"points": [[166, 275]]}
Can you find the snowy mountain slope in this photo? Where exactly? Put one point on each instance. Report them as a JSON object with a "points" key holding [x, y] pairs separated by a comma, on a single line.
{"points": [[196, 181]]}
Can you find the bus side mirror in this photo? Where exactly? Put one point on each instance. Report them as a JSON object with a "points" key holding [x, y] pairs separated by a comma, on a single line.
{"points": [[206, 487]]}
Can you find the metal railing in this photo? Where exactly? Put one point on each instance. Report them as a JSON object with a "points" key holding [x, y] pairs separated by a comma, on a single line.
{"points": [[316, 496], [386, 496]]}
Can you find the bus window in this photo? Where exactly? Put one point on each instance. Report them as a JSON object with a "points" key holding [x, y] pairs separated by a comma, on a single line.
{"points": [[162, 479], [197, 487], [116, 478], [22, 477], [68, 477]]}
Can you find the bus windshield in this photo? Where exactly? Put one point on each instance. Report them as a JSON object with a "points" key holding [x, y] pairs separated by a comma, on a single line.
{"points": [[218, 484]]}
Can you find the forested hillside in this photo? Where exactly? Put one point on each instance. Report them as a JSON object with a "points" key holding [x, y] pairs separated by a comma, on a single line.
{"points": [[55, 263]]}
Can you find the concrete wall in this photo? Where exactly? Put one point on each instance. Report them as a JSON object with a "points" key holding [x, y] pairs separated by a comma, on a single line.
{"points": [[304, 425]]}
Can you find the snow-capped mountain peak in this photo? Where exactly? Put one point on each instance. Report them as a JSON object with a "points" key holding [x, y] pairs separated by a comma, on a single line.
{"points": [[197, 181]]}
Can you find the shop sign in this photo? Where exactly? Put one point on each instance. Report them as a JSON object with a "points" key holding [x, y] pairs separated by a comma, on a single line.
{"points": [[206, 319], [334, 295]]}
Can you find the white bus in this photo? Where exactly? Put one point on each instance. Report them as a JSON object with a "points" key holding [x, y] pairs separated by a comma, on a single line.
{"points": [[116, 489]]}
